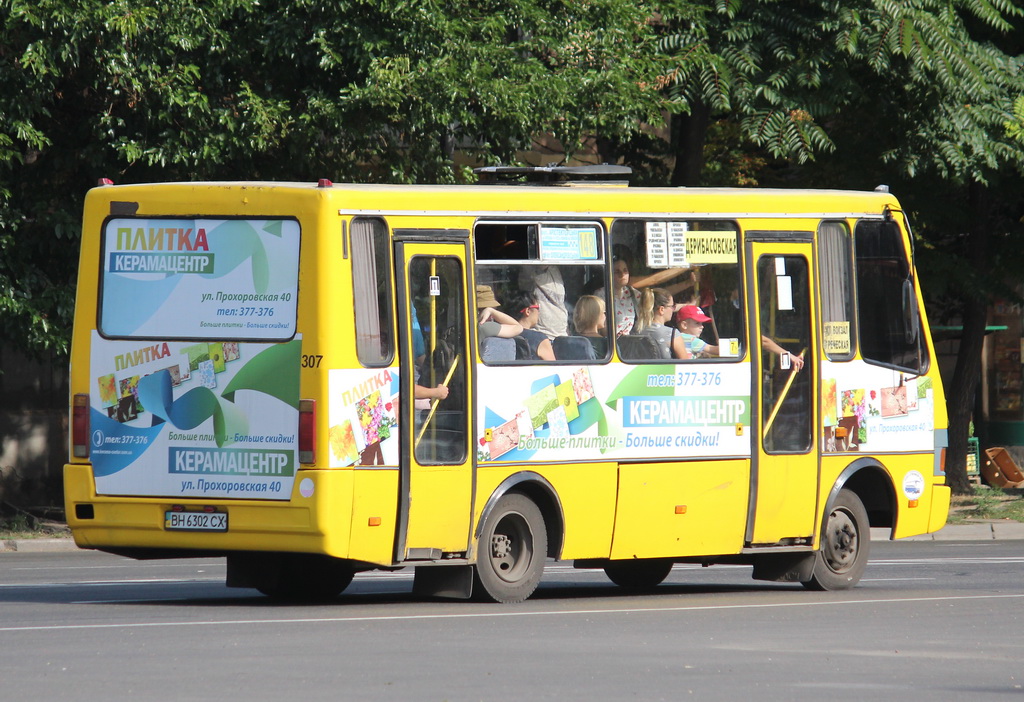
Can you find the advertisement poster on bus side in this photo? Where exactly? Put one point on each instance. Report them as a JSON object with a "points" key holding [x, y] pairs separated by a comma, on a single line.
{"points": [[868, 408], [213, 419], [363, 417], [610, 412]]}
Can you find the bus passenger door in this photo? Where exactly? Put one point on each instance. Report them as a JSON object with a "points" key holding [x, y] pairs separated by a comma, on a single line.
{"points": [[784, 474], [436, 464]]}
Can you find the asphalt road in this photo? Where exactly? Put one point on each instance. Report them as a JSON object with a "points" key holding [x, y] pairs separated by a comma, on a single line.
{"points": [[930, 620]]}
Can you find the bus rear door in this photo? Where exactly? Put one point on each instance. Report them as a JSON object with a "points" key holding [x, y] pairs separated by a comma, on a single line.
{"points": [[436, 462]]}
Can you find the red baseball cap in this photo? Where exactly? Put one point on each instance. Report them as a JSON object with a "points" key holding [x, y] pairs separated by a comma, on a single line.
{"points": [[691, 312]]}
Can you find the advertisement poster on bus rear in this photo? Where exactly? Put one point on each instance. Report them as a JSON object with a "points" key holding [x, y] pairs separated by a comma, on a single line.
{"points": [[195, 364], [199, 278], [194, 419]]}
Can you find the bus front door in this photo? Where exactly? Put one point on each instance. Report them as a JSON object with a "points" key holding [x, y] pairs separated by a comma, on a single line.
{"points": [[436, 463], [784, 474]]}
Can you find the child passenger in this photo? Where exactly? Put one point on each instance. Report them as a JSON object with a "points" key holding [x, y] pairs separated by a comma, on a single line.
{"points": [[690, 321]]}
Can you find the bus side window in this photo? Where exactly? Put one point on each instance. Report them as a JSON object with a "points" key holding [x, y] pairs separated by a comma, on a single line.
{"points": [[539, 272], [835, 268], [371, 284], [692, 263]]}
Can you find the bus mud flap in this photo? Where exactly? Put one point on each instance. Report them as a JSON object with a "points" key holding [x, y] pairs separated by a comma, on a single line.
{"points": [[784, 567], [455, 582]]}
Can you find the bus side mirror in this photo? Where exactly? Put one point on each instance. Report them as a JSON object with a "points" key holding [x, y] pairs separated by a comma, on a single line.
{"points": [[911, 320]]}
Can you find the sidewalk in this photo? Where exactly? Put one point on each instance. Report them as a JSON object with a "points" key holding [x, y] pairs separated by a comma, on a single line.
{"points": [[993, 530], [996, 530]]}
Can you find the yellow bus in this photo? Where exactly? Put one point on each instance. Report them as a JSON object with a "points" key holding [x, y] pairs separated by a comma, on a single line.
{"points": [[314, 380]]}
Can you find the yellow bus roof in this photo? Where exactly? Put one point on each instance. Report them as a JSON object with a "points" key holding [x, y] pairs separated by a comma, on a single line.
{"points": [[510, 200]]}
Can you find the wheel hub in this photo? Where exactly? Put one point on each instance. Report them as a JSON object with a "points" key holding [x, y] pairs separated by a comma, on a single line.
{"points": [[841, 551], [501, 551]]}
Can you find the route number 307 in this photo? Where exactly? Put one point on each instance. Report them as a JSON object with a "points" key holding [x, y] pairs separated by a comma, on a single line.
{"points": [[310, 360]]}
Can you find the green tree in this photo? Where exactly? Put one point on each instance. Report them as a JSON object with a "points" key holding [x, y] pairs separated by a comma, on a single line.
{"points": [[382, 90], [945, 77], [913, 92]]}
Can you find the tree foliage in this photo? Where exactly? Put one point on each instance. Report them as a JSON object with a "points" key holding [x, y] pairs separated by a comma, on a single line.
{"points": [[381, 90], [787, 72], [926, 95]]}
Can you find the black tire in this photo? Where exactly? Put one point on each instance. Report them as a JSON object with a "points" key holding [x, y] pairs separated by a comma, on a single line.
{"points": [[512, 549], [639, 574], [308, 578], [845, 545]]}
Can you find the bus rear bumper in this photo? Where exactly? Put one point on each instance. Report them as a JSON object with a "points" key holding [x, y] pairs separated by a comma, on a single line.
{"points": [[133, 525]]}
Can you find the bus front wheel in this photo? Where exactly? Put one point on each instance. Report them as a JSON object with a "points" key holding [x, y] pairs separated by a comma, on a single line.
{"points": [[845, 543], [513, 546]]}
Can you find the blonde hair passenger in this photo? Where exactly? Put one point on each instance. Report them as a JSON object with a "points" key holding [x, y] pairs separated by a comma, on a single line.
{"points": [[588, 316], [650, 300]]}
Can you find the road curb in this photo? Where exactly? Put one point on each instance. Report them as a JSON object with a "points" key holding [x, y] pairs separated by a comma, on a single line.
{"points": [[981, 531]]}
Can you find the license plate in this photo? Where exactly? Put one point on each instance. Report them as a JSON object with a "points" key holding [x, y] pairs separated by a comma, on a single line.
{"points": [[196, 521]]}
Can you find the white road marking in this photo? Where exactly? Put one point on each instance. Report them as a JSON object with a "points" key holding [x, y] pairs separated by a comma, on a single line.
{"points": [[518, 613]]}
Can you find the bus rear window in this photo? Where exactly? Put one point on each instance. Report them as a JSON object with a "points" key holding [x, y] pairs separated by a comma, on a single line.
{"points": [[179, 278]]}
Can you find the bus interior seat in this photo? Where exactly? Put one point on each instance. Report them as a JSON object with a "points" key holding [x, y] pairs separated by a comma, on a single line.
{"points": [[638, 347], [495, 349], [522, 349], [573, 348]]}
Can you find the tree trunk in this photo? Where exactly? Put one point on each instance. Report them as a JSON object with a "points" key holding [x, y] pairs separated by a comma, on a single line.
{"points": [[689, 132], [967, 373]]}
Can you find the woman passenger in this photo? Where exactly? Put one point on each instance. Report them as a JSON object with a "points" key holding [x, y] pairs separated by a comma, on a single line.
{"points": [[656, 308], [526, 311], [589, 320], [625, 299]]}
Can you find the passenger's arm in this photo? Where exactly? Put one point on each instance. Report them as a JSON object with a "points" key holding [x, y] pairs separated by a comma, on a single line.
{"points": [[509, 326]]}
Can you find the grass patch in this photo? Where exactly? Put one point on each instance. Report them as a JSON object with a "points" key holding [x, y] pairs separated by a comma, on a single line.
{"points": [[987, 504], [18, 524]]}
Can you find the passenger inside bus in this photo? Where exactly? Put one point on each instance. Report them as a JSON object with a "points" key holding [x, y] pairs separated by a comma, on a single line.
{"points": [[589, 320], [492, 321], [682, 283], [656, 310], [547, 285], [625, 299], [689, 320], [525, 309], [497, 329]]}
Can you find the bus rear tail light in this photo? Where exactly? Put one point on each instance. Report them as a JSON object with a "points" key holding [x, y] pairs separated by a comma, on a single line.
{"points": [[80, 426], [307, 431]]}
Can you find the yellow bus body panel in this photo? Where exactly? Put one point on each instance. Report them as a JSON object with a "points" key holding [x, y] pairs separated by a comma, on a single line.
{"points": [[374, 515], [694, 508], [439, 509]]}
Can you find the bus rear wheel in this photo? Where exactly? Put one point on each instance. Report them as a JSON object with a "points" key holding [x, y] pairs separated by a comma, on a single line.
{"points": [[307, 578], [640, 574], [845, 544], [513, 547]]}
